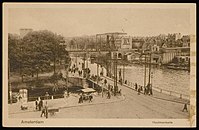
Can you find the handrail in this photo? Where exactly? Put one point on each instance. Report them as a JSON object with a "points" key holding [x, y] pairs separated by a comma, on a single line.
{"points": [[171, 93]]}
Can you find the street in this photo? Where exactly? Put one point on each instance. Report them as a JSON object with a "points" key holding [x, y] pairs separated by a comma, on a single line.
{"points": [[134, 106]]}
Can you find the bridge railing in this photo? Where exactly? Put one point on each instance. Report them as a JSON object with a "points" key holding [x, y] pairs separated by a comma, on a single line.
{"points": [[165, 91], [160, 90]]}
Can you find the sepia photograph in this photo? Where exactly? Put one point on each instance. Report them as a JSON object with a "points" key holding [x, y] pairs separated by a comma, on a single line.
{"points": [[99, 64]]}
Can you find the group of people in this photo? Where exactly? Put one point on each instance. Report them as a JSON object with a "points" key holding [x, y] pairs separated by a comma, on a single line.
{"points": [[109, 95], [80, 72], [147, 89], [85, 97], [40, 106], [111, 91], [73, 69]]}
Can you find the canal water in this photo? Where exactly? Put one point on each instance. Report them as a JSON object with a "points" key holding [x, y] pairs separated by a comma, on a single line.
{"points": [[166, 79]]}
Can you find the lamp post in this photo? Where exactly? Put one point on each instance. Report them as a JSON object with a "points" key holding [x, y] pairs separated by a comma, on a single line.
{"points": [[151, 77], [149, 67], [21, 64], [66, 69], [115, 73], [123, 71], [145, 71]]}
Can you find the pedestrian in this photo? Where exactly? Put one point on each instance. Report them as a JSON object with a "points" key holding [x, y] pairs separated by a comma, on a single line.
{"points": [[108, 95], [109, 87], [79, 73], [120, 92], [46, 110], [80, 99], [43, 111], [90, 98], [46, 95], [36, 104], [136, 87], [145, 90], [139, 90], [150, 90], [105, 81], [185, 107], [125, 82], [40, 104]]}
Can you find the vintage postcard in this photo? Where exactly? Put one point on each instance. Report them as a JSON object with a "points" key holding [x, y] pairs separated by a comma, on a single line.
{"points": [[99, 65]]}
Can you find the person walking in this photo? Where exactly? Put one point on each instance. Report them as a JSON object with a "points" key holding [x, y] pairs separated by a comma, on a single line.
{"points": [[120, 92], [145, 91], [36, 104], [108, 95], [139, 90], [90, 98], [81, 99], [40, 104], [185, 108], [43, 111], [150, 90], [46, 110], [136, 86]]}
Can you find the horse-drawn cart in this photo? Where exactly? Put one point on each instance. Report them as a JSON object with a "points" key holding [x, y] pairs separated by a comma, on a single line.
{"points": [[52, 111], [86, 95]]}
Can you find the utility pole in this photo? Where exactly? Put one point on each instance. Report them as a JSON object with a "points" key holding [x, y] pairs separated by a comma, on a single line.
{"points": [[114, 74], [145, 71], [123, 72], [66, 68], [97, 72], [76, 61], [150, 68], [87, 59], [84, 66], [21, 64]]}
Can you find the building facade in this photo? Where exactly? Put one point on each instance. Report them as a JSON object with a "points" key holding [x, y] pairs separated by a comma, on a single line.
{"points": [[169, 53]]}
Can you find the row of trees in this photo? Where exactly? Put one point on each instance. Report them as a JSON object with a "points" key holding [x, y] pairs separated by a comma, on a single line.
{"points": [[84, 42], [90, 42], [36, 52]]}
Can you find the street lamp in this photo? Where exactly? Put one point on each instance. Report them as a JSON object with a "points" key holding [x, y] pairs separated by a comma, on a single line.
{"points": [[21, 65], [66, 69], [123, 70]]}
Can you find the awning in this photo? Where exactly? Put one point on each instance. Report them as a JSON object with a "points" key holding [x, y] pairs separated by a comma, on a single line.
{"points": [[86, 90]]}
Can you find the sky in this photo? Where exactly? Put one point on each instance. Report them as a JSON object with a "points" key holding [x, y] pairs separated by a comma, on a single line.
{"points": [[89, 20]]}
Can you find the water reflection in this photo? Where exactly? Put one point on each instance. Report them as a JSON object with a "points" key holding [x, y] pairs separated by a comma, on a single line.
{"points": [[168, 79]]}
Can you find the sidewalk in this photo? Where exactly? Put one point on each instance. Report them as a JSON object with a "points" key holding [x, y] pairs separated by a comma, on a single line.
{"points": [[156, 94], [71, 101]]}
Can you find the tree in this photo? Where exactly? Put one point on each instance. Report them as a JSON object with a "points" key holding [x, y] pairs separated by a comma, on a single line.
{"points": [[14, 52], [40, 49]]}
